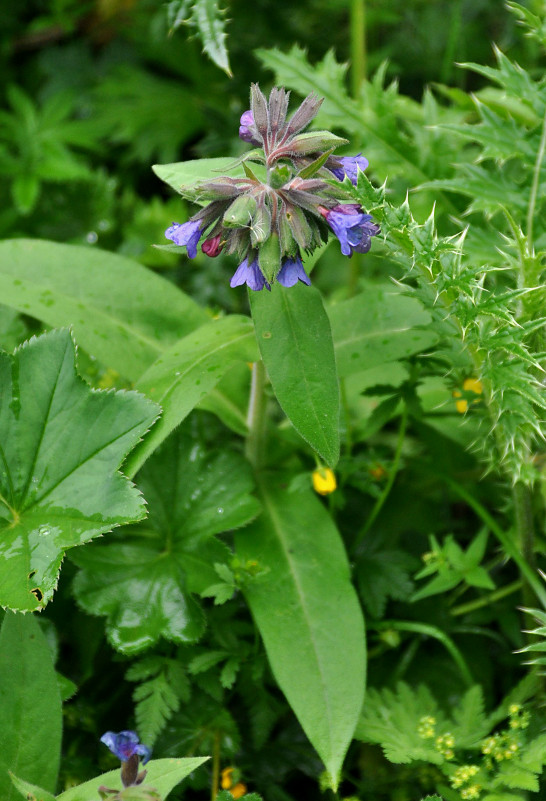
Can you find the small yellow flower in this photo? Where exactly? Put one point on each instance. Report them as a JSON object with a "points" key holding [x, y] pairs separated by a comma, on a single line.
{"points": [[324, 481], [227, 778], [469, 385]]}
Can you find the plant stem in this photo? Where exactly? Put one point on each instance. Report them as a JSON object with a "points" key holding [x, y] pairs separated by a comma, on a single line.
{"points": [[523, 513], [462, 609], [256, 417], [215, 766], [534, 188], [358, 45], [390, 481]]}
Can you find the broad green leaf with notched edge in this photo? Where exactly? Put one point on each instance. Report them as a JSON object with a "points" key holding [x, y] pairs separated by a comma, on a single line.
{"points": [[162, 774], [30, 734], [294, 337], [144, 582], [378, 326], [314, 639], [120, 312], [186, 373], [61, 445]]}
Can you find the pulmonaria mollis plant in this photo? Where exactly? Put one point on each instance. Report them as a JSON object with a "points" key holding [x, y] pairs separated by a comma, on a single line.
{"points": [[287, 203]]}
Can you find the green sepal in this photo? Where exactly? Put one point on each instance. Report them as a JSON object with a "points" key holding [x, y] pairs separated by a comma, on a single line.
{"points": [[316, 142], [270, 258], [260, 228], [240, 212], [315, 165], [280, 175]]}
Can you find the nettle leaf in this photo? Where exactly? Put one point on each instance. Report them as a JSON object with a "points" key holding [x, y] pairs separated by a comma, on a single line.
{"points": [[144, 582], [61, 445]]}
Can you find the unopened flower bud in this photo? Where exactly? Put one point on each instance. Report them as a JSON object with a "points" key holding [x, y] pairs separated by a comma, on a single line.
{"points": [[240, 212], [270, 258], [212, 247]]}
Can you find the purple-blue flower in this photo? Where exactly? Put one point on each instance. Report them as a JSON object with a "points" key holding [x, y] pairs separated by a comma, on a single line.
{"points": [[126, 744], [291, 272], [353, 228], [188, 234], [247, 129], [249, 274], [350, 167]]}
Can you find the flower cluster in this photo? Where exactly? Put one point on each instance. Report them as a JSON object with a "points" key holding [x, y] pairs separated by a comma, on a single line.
{"points": [[289, 200]]}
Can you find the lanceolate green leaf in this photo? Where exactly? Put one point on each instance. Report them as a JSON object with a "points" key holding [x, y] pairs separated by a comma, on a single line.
{"points": [[294, 337], [30, 734], [380, 325], [188, 371], [61, 445], [181, 175], [143, 582], [120, 312], [314, 639], [162, 774]]}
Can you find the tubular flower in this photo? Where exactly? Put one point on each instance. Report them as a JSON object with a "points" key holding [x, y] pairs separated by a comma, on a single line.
{"points": [[272, 213], [247, 129], [291, 272], [125, 745], [324, 481], [350, 165], [353, 228], [249, 274], [188, 234]]}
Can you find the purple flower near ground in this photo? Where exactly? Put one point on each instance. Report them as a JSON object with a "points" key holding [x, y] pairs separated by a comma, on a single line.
{"points": [[350, 167], [249, 274], [353, 228], [247, 129], [125, 745], [188, 234], [291, 272]]}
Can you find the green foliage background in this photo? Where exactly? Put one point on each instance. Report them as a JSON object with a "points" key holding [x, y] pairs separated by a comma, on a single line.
{"points": [[93, 94]]}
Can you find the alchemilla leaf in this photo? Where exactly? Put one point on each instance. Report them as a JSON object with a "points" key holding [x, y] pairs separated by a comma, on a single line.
{"points": [[61, 446], [145, 582]]}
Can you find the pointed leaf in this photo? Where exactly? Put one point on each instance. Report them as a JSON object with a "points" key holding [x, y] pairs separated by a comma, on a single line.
{"points": [[162, 774], [293, 333], [188, 371], [61, 445], [30, 735], [314, 640], [182, 175], [87, 289], [210, 25], [31, 792], [144, 582]]}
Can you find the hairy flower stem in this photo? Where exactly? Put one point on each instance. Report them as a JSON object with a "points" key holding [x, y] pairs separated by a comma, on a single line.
{"points": [[256, 417], [358, 45]]}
